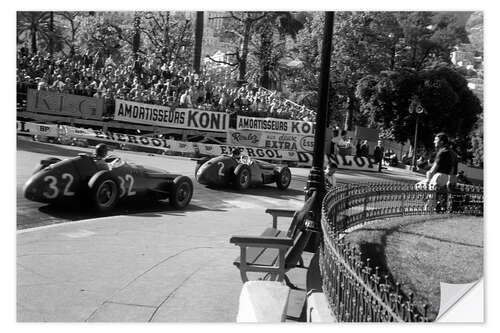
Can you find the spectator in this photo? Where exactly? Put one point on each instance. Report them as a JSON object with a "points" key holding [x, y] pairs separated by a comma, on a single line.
{"points": [[365, 148], [444, 170], [378, 154], [330, 180]]}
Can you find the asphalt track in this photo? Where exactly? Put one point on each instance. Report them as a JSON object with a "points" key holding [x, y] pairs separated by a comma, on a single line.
{"points": [[32, 214]]}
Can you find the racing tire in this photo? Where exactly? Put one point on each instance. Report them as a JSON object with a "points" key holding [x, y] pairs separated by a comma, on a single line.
{"points": [[242, 177], [181, 193], [104, 192], [45, 163], [283, 178]]}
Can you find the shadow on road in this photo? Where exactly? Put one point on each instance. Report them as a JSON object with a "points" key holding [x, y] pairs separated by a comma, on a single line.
{"points": [[140, 208], [267, 191]]}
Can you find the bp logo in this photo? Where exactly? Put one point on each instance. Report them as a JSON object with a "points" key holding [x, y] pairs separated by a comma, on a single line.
{"points": [[307, 143]]}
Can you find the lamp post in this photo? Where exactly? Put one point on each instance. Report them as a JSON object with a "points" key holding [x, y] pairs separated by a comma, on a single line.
{"points": [[416, 107], [316, 177]]}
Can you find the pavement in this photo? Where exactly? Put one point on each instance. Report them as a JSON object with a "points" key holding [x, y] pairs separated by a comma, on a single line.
{"points": [[133, 268]]}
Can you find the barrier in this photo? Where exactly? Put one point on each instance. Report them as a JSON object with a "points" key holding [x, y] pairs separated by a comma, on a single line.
{"points": [[355, 290], [168, 145], [342, 162], [41, 101], [164, 116], [272, 140], [28, 128], [277, 125]]}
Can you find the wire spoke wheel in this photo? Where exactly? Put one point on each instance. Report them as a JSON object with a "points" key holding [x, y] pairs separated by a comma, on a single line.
{"points": [[106, 194]]}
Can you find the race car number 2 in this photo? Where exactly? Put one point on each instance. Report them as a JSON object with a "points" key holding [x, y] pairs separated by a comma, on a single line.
{"points": [[126, 185], [53, 191]]}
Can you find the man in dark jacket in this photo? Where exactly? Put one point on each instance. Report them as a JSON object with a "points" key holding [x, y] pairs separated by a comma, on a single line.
{"points": [[378, 154]]}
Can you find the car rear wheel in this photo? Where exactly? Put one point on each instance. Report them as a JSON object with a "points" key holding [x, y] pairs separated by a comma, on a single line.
{"points": [[242, 178], [284, 178], [104, 193], [182, 192]]}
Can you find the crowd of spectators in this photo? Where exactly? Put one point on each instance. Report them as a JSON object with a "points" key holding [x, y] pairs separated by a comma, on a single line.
{"points": [[148, 80]]}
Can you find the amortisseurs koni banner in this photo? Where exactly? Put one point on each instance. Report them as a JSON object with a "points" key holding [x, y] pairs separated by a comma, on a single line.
{"points": [[275, 125], [271, 140], [164, 116]]}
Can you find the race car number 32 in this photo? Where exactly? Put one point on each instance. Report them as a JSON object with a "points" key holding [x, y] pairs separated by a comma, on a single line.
{"points": [[54, 190], [126, 185]]}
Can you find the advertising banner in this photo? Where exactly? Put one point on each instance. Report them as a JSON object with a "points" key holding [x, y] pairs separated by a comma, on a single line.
{"points": [[164, 116], [282, 141], [119, 138], [343, 162], [275, 125], [60, 104], [258, 153], [37, 129]]}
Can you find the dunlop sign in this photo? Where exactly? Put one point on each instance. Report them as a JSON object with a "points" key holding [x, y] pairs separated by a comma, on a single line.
{"points": [[275, 125], [343, 162], [164, 116], [41, 101]]}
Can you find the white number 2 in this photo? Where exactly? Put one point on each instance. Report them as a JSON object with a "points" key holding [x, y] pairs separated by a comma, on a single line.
{"points": [[130, 179], [68, 185], [221, 168]]}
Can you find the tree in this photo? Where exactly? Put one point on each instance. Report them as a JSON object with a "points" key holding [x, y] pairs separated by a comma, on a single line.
{"points": [[239, 25], [97, 34], [270, 44], [474, 28], [72, 18], [449, 104], [35, 24], [428, 38], [170, 33]]}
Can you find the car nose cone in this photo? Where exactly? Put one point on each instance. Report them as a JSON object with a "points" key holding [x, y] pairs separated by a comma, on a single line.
{"points": [[30, 191], [202, 174]]}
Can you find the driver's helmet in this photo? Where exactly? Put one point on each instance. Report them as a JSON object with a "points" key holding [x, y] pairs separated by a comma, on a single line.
{"points": [[101, 150], [236, 153]]}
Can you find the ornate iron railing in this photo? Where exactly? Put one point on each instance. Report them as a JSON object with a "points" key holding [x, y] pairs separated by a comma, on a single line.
{"points": [[355, 290]]}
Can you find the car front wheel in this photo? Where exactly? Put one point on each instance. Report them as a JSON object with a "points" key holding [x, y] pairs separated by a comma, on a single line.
{"points": [[284, 178], [181, 193], [242, 178]]}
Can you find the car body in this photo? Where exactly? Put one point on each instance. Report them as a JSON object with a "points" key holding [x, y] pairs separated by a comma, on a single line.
{"points": [[225, 170], [104, 182]]}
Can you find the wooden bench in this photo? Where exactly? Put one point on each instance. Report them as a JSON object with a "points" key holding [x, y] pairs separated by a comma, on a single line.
{"points": [[275, 252]]}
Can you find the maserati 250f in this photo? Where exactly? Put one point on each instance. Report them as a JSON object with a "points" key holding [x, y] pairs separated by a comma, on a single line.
{"points": [[104, 183]]}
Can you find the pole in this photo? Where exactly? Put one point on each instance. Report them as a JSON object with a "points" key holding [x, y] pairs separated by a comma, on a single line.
{"points": [[198, 36], [415, 144], [316, 176]]}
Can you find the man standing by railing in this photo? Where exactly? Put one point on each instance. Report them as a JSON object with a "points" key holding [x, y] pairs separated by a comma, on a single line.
{"points": [[443, 173], [444, 170]]}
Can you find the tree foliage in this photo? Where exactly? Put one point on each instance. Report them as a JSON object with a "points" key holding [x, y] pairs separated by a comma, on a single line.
{"points": [[449, 104]]}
